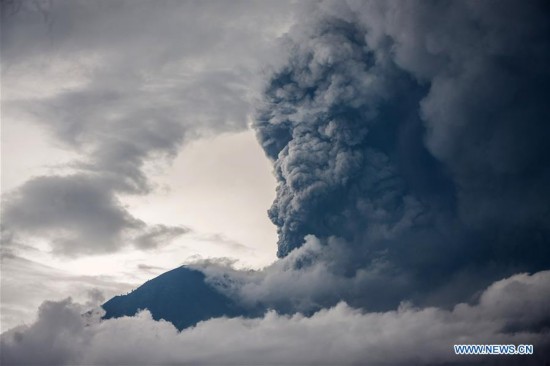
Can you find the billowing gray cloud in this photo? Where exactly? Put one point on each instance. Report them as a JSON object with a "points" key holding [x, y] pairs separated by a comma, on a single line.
{"points": [[484, 112], [330, 119], [414, 132], [80, 215], [339, 335], [77, 206]]}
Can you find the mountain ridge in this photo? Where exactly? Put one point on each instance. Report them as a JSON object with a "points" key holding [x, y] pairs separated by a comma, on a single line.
{"points": [[180, 296]]}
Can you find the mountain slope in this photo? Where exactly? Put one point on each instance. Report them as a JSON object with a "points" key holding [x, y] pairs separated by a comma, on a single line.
{"points": [[180, 296]]}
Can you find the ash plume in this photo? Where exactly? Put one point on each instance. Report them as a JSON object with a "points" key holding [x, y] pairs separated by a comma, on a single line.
{"points": [[415, 132]]}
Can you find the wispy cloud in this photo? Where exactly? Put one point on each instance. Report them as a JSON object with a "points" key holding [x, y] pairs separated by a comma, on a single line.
{"points": [[148, 77]]}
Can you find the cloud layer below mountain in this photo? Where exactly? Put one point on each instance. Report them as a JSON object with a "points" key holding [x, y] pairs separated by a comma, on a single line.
{"points": [[337, 335]]}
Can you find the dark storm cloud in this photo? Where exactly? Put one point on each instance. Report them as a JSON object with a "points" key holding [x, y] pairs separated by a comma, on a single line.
{"points": [[485, 112], [80, 215], [328, 121], [415, 133], [82, 209], [338, 335], [143, 78]]}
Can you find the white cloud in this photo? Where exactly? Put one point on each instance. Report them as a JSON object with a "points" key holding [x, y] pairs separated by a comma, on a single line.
{"points": [[25, 284], [339, 335]]}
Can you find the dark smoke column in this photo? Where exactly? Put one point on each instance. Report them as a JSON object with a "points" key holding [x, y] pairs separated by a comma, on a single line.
{"points": [[418, 132], [328, 122]]}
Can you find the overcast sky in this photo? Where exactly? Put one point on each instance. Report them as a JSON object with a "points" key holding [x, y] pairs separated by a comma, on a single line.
{"points": [[126, 149], [357, 175]]}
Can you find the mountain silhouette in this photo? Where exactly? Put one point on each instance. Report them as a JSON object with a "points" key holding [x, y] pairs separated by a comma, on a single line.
{"points": [[180, 296]]}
